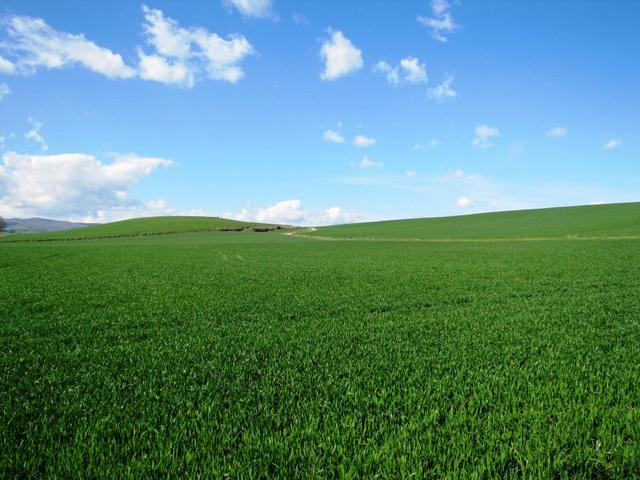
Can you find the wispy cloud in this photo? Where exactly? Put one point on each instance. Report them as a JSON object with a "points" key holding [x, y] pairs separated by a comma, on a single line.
{"points": [[443, 91], [433, 143], [557, 132], [612, 144], [441, 22], [34, 134], [484, 134], [366, 162], [33, 44], [4, 90], [333, 136]]}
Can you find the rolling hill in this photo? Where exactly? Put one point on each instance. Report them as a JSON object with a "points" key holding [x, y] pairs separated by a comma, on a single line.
{"points": [[614, 220], [145, 226], [36, 225]]}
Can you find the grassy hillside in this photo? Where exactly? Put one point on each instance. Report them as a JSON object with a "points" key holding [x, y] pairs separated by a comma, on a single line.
{"points": [[143, 226], [622, 219]]}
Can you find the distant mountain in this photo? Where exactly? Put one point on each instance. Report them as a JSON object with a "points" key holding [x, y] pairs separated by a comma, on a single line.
{"points": [[33, 225]]}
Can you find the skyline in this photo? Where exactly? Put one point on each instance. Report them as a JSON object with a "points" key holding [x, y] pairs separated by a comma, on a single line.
{"points": [[301, 113]]}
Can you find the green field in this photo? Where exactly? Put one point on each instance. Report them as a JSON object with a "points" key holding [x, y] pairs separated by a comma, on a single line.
{"points": [[255, 355]]}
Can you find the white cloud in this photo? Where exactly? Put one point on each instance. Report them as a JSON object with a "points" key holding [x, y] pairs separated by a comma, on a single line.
{"points": [[459, 173], [300, 19], [72, 184], [464, 202], [287, 211], [252, 8], [362, 141], [334, 215], [34, 134], [441, 23], [180, 55], [4, 90], [333, 136], [155, 67], [340, 56], [410, 70], [433, 143], [557, 132], [290, 212], [183, 55], [34, 44], [390, 72], [6, 66], [484, 134], [442, 91], [366, 162], [410, 173], [612, 144]]}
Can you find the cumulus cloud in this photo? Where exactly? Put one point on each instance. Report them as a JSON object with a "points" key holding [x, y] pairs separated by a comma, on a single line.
{"points": [[366, 162], [612, 144], [362, 141], [557, 132], [287, 211], [34, 134], [464, 202], [4, 90], [484, 134], [443, 91], [251, 8], [441, 23], [184, 55], [333, 136], [33, 44], [290, 212], [410, 173], [73, 185], [179, 55], [159, 69], [335, 215], [410, 70], [340, 56]]}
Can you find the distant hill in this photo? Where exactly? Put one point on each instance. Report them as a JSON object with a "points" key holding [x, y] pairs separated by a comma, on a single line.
{"points": [[146, 226], [32, 225], [621, 219]]}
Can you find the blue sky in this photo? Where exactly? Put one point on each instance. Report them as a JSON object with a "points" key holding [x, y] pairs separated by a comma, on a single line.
{"points": [[316, 112]]}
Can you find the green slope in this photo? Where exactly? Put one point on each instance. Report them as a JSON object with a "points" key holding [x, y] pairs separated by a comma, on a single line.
{"points": [[614, 220], [144, 226]]}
